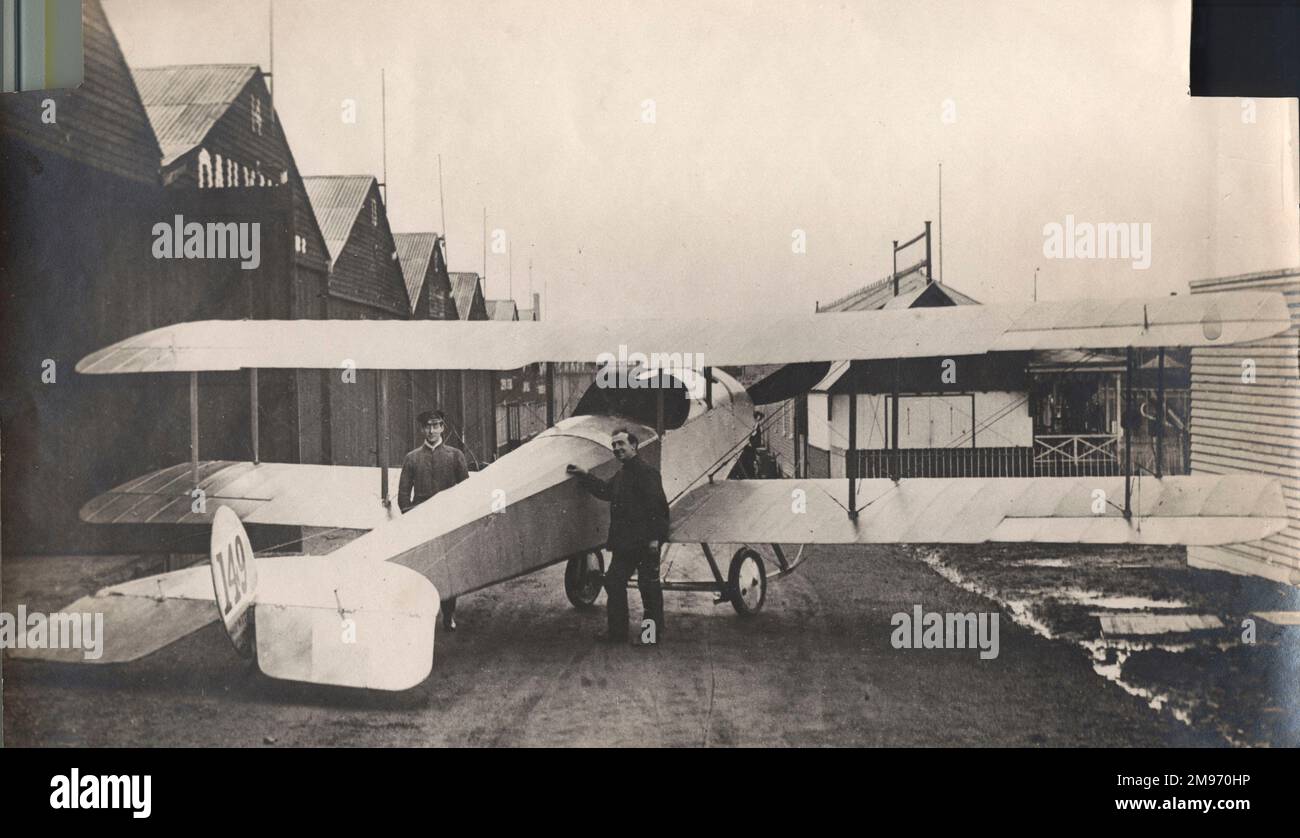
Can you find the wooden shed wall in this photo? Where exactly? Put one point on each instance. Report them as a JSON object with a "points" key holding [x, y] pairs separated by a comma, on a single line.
{"points": [[232, 137], [366, 272], [1251, 427], [101, 123]]}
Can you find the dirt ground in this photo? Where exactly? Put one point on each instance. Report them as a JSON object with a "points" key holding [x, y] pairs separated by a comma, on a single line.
{"points": [[815, 668]]}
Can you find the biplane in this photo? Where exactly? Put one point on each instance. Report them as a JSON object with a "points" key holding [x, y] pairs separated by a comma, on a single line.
{"points": [[364, 615]]}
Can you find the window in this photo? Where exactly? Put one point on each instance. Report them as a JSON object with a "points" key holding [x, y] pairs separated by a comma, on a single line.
{"points": [[527, 388], [220, 172], [205, 169], [507, 384], [256, 105], [374, 213]]}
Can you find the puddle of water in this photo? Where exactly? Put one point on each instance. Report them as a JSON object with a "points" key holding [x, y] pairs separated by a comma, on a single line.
{"points": [[1041, 563], [1101, 649], [1113, 672], [1020, 609], [1115, 603]]}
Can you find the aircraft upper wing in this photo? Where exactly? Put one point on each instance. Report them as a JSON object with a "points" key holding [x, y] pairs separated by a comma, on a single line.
{"points": [[1194, 510], [1201, 320], [266, 493]]}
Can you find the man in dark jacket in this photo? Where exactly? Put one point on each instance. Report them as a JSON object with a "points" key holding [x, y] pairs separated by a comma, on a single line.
{"points": [[638, 527], [428, 470]]}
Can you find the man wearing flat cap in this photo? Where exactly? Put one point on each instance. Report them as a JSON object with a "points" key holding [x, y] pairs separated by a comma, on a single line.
{"points": [[428, 470]]}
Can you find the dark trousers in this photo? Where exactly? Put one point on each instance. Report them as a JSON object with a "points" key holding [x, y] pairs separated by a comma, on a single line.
{"points": [[644, 561]]}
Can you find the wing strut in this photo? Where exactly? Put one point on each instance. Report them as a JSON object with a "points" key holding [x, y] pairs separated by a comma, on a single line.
{"points": [[1127, 427], [1160, 424], [550, 394], [895, 460], [252, 414], [194, 428], [851, 461], [381, 434]]}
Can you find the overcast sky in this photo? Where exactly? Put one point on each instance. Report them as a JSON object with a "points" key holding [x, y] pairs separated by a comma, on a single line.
{"points": [[829, 118]]}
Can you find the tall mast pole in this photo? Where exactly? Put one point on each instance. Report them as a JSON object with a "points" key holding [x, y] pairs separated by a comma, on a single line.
{"points": [[270, 13], [442, 207], [383, 127]]}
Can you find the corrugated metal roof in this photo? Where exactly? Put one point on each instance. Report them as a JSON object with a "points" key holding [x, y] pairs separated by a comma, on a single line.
{"points": [[880, 294], [905, 299], [336, 200], [464, 287], [414, 251], [184, 101], [502, 310]]}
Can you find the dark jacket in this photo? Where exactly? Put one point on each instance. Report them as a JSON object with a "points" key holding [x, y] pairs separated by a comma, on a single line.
{"points": [[638, 508], [425, 473]]}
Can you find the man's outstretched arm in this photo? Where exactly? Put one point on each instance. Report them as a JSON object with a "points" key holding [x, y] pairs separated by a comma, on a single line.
{"points": [[593, 484]]}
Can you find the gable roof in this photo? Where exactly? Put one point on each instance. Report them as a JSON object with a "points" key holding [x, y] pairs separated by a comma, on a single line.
{"points": [[184, 101], [336, 200], [414, 250], [464, 288], [502, 310], [912, 285]]}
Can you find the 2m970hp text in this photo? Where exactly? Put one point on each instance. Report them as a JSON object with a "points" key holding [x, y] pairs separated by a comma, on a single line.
{"points": [[1183, 780]]}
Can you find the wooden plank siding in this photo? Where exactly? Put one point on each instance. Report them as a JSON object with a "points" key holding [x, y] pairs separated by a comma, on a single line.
{"points": [[365, 283], [227, 158], [425, 271], [101, 124], [475, 423], [364, 268], [81, 196], [1238, 426]]}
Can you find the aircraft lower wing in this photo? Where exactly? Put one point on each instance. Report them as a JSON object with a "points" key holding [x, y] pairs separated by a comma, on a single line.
{"points": [[290, 494], [1192, 510]]}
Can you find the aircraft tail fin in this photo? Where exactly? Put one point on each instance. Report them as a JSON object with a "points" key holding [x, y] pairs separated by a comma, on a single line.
{"points": [[322, 620]]}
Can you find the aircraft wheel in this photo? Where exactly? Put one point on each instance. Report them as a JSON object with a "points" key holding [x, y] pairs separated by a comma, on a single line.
{"points": [[584, 576], [747, 582]]}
